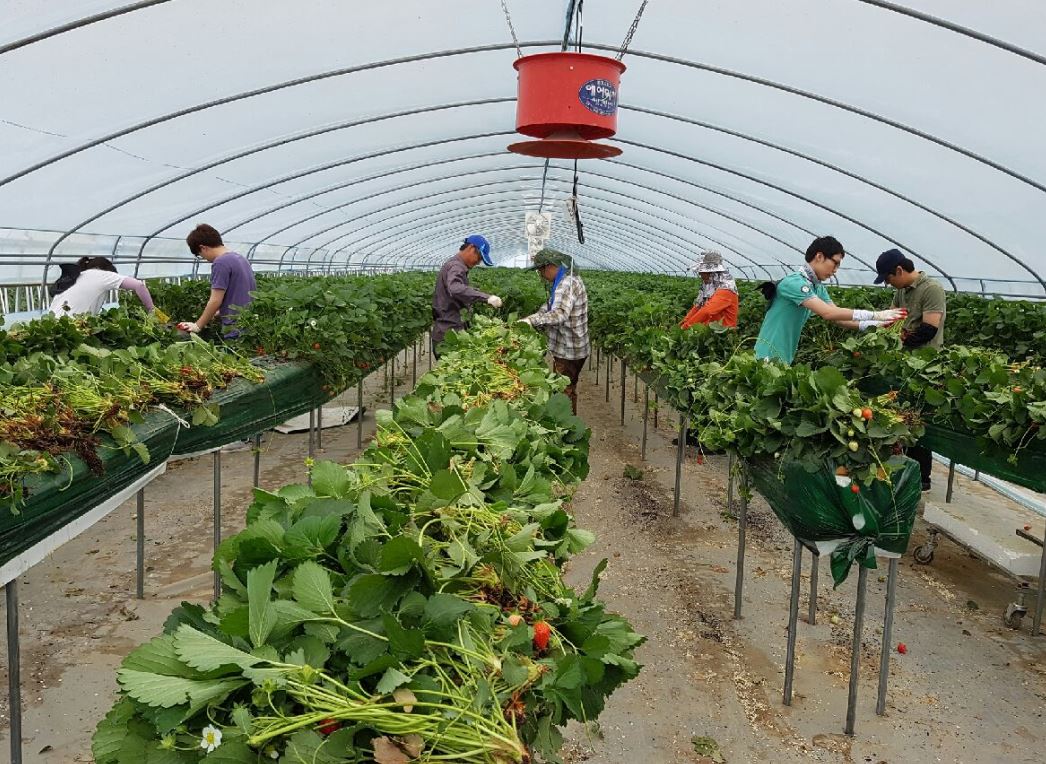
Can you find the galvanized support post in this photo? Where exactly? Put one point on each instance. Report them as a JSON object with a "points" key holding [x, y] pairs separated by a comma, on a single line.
{"points": [[431, 352], [793, 620], [139, 578], [610, 362], [599, 361], [359, 412], [319, 428], [257, 459], [680, 450], [635, 388], [811, 616], [730, 482], [742, 530], [646, 419], [414, 369], [657, 407], [392, 379], [217, 517], [1039, 602], [14, 673], [622, 392], [884, 657], [312, 433], [855, 650], [951, 481]]}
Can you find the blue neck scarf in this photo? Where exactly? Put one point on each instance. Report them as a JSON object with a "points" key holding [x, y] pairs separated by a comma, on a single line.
{"points": [[555, 283]]}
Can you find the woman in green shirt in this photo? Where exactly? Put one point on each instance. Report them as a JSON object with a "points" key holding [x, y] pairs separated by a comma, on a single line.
{"points": [[799, 295]]}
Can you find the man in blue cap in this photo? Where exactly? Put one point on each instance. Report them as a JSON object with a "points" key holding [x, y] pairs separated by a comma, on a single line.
{"points": [[925, 302], [453, 293]]}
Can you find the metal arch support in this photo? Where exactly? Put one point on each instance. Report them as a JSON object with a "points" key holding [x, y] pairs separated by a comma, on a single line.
{"points": [[489, 223], [952, 27], [507, 207], [807, 95], [508, 227], [263, 187], [660, 231], [841, 171], [295, 176], [782, 189], [651, 255], [610, 191], [674, 231], [613, 201], [421, 57], [371, 213], [427, 214], [78, 24], [377, 176]]}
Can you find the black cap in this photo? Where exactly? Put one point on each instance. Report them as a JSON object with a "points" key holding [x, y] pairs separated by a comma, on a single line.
{"points": [[887, 264]]}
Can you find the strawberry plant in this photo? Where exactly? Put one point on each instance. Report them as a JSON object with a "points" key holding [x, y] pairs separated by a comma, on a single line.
{"points": [[408, 607]]}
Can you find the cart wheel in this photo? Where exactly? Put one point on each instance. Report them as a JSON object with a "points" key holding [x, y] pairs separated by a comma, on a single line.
{"points": [[923, 554], [1013, 616]]}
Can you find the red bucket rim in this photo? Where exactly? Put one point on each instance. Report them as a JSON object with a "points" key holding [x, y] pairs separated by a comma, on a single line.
{"points": [[571, 55]]}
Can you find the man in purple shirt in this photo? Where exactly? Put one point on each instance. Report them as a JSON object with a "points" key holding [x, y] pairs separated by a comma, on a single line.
{"points": [[232, 280], [453, 292]]}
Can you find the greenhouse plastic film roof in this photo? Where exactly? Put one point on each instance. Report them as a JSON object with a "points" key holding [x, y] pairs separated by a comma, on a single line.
{"points": [[325, 135]]}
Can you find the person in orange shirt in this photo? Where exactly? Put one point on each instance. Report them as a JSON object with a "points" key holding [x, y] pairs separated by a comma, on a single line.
{"points": [[717, 300]]}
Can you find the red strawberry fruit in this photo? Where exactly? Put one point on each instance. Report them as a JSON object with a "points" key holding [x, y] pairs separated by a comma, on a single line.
{"points": [[902, 648], [542, 632], [327, 726]]}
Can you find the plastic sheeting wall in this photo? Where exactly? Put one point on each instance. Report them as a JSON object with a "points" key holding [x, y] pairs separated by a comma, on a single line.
{"points": [[322, 134]]}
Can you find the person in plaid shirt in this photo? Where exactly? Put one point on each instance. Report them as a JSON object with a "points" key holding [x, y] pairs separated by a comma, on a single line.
{"points": [[564, 318]]}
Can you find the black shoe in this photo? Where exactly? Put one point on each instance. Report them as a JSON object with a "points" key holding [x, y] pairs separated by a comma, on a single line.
{"points": [[926, 485]]}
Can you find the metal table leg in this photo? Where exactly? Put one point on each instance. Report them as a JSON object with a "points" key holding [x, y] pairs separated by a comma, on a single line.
{"points": [[811, 617], [742, 530], [414, 368], [359, 411], [1039, 600], [14, 678], [635, 388], [951, 481], [217, 517], [312, 433], [657, 407], [680, 450], [793, 620], [599, 361], [257, 459], [884, 658], [622, 392], [319, 428], [139, 578], [646, 419], [392, 378], [430, 351], [855, 650]]}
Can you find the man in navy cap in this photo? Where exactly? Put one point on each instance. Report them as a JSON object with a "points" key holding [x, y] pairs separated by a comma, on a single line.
{"points": [[453, 292], [919, 294], [925, 302]]}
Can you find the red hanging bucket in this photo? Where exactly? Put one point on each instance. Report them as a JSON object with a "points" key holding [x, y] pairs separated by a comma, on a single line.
{"points": [[567, 100]]}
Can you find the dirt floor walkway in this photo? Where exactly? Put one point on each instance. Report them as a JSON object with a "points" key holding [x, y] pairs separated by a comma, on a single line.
{"points": [[968, 690]]}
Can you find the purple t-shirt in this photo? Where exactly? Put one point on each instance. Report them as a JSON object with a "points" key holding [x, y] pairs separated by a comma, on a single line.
{"points": [[233, 273]]}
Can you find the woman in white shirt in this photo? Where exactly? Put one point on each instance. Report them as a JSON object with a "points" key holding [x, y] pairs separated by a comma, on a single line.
{"points": [[82, 287]]}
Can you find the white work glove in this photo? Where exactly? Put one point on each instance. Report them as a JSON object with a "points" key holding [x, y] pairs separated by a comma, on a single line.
{"points": [[494, 301], [524, 321], [886, 316], [189, 326], [862, 325]]}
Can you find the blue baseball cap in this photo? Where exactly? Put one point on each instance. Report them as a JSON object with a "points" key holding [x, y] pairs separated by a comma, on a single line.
{"points": [[887, 264], [482, 245]]}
